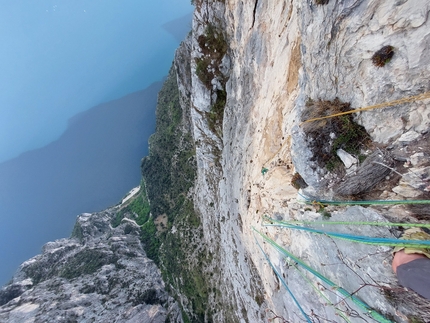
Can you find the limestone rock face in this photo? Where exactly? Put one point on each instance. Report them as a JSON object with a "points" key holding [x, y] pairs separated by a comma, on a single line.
{"points": [[281, 54], [101, 274], [338, 42]]}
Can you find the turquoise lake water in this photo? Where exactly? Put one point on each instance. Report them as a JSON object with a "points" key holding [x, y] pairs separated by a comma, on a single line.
{"points": [[97, 64]]}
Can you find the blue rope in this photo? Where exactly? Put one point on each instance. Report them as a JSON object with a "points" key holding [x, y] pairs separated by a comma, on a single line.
{"points": [[362, 223], [283, 282], [361, 239], [383, 202]]}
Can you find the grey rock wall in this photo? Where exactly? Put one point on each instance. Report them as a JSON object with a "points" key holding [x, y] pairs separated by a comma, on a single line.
{"points": [[280, 55]]}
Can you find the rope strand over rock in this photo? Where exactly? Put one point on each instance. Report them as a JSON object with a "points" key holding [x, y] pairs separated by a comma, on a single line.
{"points": [[413, 98]]}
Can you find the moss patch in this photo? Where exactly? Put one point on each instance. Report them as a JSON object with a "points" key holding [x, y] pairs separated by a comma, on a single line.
{"points": [[86, 262]]}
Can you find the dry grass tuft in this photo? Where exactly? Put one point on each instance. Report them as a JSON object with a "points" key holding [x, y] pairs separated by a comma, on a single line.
{"points": [[298, 182], [418, 307], [326, 136]]}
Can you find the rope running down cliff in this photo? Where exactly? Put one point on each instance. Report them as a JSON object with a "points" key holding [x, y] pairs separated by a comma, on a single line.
{"points": [[419, 97], [283, 282], [413, 98], [308, 200], [366, 308]]}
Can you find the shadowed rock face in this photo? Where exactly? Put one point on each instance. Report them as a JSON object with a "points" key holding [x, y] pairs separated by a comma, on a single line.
{"points": [[101, 274]]}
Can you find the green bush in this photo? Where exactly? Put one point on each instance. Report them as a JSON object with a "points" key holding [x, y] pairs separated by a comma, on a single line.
{"points": [[116, 221], [213, 42], [151, 241], [203, 73], [85, 262], [213, 46]]}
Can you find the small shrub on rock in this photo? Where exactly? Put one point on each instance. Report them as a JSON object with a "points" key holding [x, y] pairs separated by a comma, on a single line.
{"points": [[383, 56], [149, 296], [326, 136], [213, 46], [216, 114], [298, 182], [321, 2]]}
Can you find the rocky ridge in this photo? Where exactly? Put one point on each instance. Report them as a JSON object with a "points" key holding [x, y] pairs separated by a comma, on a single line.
{"points": [[100, 274]]}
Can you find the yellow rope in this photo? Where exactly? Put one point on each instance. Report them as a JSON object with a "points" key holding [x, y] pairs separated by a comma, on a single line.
{"points": [[418, 97]]}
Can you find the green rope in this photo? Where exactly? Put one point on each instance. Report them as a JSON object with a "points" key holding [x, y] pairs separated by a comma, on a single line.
{"points": [[391, 242], [375, 202], [362, 239], [373, 313], [382, 224], [307, 200]]}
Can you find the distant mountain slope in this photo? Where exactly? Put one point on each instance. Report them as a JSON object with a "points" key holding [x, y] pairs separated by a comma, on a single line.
{"points": [[91, 166], [179, 28]]}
